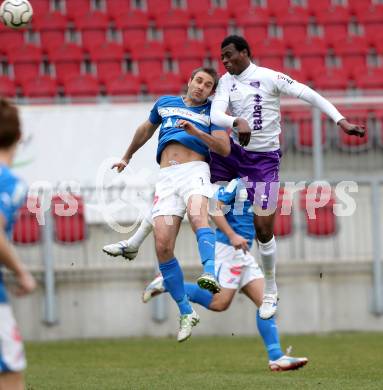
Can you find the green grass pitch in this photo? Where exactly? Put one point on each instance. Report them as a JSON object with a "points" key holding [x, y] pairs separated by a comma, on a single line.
{"points": [[336, 361]]}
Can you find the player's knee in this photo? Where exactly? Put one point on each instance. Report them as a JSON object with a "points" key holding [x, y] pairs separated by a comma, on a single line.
{"points": [[197, 221], [164, 250], [220, 306], [264, 233]]}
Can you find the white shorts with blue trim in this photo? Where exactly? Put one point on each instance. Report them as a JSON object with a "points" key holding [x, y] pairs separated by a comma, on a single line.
{"points": [[235, 269], [12, 357], [177, 183]]}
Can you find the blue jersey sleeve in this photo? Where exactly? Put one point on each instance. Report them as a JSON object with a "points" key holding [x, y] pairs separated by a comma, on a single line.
{"points": [[227, 194], [215, 128], [154, 116]]}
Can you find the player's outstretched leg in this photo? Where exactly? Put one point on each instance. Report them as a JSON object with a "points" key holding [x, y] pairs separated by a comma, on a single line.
{"points": [[174, 284], [129, 248], [193, 291], [206, 246], [270, 298], [278, 361]]}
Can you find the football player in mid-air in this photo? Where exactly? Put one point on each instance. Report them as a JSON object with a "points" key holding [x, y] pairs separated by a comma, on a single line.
{"points": [[185, 137], [12, 197], [252, 94]]}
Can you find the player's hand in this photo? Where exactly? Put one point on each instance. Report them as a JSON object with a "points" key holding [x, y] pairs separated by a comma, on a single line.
{"points": [[25, 283], [243, 130], [187, 126], [121, 165], [239, 242], [351, 128]]}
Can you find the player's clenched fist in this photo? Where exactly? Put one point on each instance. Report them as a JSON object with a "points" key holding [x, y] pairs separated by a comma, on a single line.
{"points": [[120, 166]]}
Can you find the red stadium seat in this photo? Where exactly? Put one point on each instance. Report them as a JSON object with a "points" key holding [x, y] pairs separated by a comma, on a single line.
{"points": [[40, 87], [78, 7], [189, 56], [149, 51], [126, 84], [149, 68], [10, 39], [271, 48], [26, 61], [372, 14], [173, 17], [213, 38], [320, 222], [335, 32], [174, 36], [93, 26], [283, 224], [279, 6], [40, 7], [81, 86], [275, 63], [51, 28], [333, 16], [252, 16], [291, 34], [166, 84], [212, 17], [333, 79], [255, 35], [195, 6], [67, 60], [108, 58], [295, 16], [304, 130], [350, 143], [373, 79], [69, 219], [158, 7], [27, 229], [132, 20], [7, 87], [319, 5], [117, 7], [352, 52]]}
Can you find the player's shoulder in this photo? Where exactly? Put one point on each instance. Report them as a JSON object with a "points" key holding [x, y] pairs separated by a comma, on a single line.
{"points": [[267, 73], [169, 99], [11, 186]]}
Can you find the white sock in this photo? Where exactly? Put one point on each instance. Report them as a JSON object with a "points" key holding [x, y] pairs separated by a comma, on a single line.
{"points": [[142, 232], [268, 256]]}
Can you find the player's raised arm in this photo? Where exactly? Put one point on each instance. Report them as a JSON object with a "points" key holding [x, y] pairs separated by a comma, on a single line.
{"points": [[218, 141], [293, 88], [143, 133]]}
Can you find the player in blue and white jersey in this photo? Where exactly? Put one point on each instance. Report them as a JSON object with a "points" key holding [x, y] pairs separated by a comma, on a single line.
{"points": [[185, 138], [12, 196], [236, 270]]}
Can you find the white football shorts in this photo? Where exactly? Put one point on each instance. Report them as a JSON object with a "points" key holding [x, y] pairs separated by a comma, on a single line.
{"points": [[12, 357], [235, 269], [177, 183]]}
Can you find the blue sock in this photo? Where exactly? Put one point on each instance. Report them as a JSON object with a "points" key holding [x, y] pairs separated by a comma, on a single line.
{"points": [[198, 295], [269, 332], [174, 284], [206, 247]]}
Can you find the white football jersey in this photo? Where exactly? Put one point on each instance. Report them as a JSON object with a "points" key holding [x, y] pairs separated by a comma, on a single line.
{"points": [[255, 96]]}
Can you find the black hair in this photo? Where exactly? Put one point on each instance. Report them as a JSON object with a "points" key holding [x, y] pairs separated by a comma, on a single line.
{"points": [[210, 71], [10, 131], [239, 43]]}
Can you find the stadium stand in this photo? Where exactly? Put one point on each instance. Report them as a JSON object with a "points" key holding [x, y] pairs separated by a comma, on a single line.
{"points": [[333, 44]]}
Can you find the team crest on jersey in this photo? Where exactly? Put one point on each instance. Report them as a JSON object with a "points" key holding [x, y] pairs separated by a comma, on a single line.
{"points": [[233, 88], [255, 84]]}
